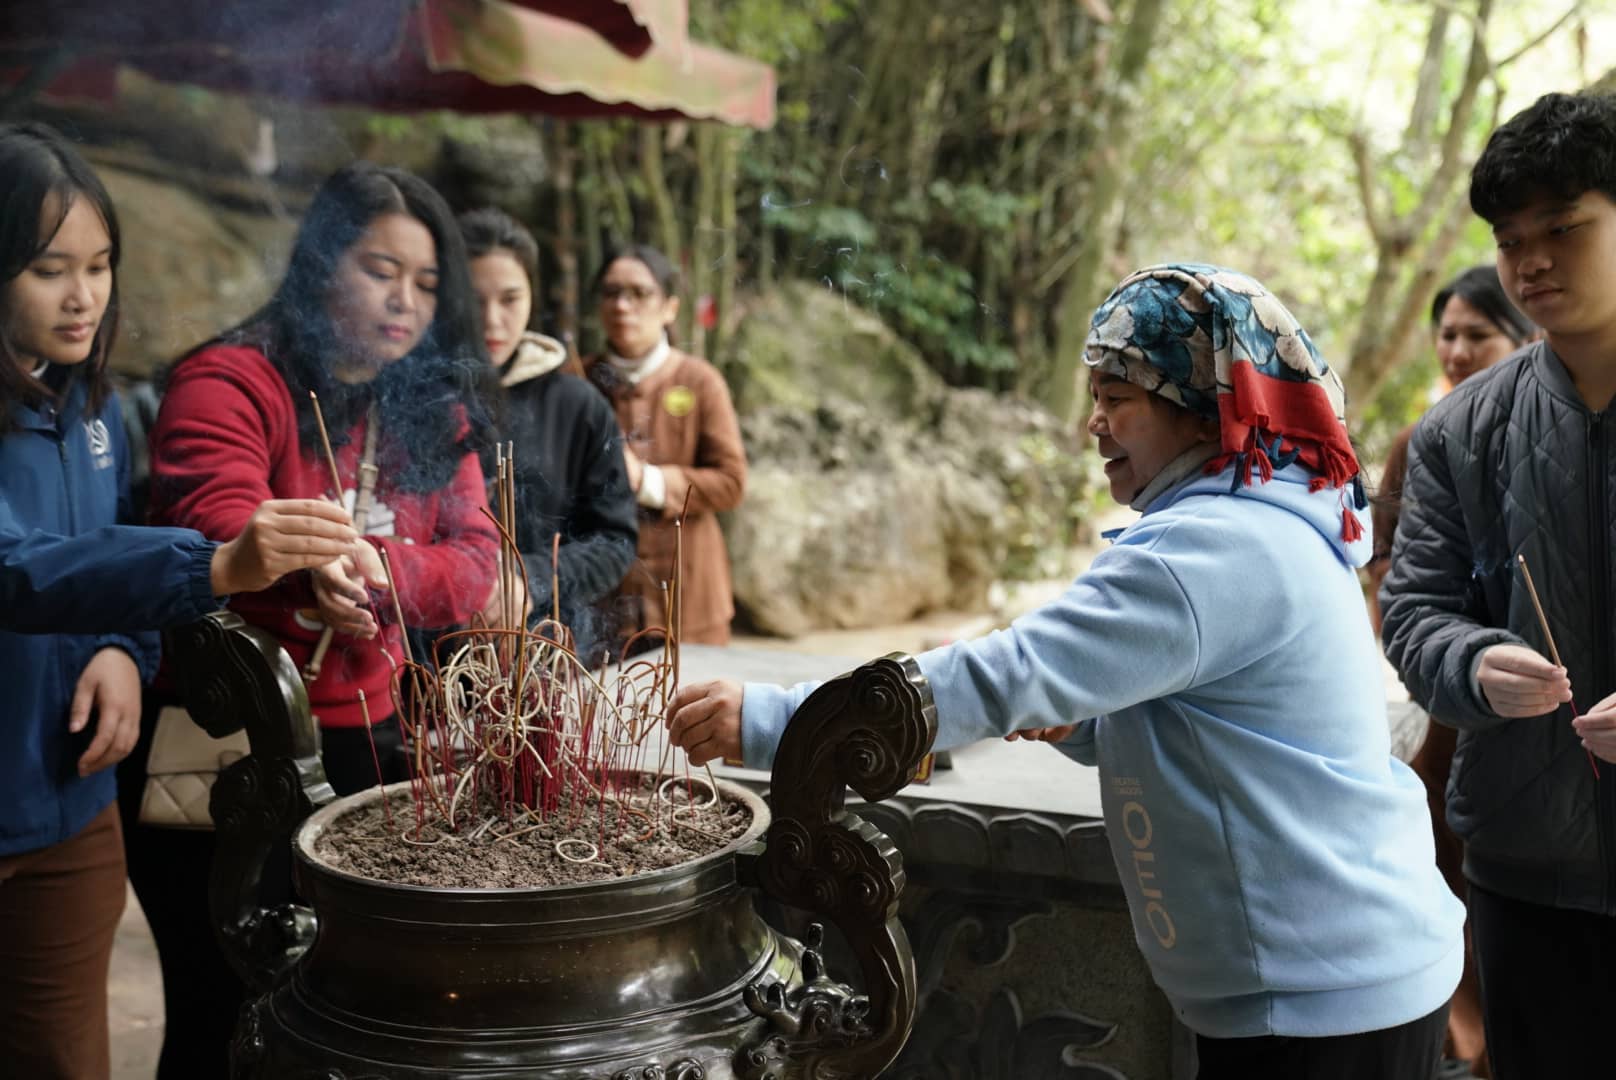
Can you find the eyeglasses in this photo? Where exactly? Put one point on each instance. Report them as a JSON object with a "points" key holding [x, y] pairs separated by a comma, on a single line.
{"points": [[636, 295]]}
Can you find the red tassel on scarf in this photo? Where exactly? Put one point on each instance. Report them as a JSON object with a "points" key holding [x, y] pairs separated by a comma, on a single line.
{"points": [[1351, 527]]}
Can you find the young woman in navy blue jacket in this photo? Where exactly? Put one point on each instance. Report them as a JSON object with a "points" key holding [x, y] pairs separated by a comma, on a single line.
{"points": [[81, 598]]}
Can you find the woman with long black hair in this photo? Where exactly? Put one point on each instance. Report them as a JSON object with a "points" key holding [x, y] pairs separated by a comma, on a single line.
{"points": [[377, 317]]}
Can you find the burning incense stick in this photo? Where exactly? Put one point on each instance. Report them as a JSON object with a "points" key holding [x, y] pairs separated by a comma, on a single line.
{"points": [[325, 441], [555, 578], [1548, 636], [1537, 605]]}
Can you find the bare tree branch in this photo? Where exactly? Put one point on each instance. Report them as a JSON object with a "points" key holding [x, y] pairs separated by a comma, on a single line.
{"points": [[1570, 13], [1364, 167], [1428, 91], [1451, 158]]}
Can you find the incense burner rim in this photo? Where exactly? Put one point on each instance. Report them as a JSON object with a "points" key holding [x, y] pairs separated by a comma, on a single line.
{"points": [[315, 826]]}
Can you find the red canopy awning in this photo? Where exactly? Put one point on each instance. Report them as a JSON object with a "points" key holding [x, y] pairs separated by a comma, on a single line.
{"points": [[407, 55], [632, 26]]}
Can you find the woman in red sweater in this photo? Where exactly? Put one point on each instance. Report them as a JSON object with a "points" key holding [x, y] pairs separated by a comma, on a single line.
{"points": [[376, 315]]}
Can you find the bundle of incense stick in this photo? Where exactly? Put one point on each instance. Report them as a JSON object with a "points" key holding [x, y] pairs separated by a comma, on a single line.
{"points": [[1548, 636], [513, 730]]}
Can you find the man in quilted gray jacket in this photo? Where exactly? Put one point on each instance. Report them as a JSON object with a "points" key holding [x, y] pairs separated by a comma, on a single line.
{"points": [[1521, 460]]}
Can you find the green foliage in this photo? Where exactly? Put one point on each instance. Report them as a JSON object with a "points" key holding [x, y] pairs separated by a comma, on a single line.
{"points": [[1048, 508], [934, 161], [923, 160], [393, 127], [772, 31], [928, 300], [968, 205]]}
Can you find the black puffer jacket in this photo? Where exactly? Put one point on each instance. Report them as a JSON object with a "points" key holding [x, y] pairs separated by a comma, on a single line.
{"points": [[1511, 463], [570, 480]]}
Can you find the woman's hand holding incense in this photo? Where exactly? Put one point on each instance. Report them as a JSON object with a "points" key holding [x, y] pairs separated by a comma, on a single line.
{"points": [[365, 563], [1517, 681], [704, 720], [1597, 727], [341, 592], [282, 536]]}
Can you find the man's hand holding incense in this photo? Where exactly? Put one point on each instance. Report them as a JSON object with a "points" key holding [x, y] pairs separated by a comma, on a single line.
{"points": [[1597, 728], [704, 720], [1517, 681]]}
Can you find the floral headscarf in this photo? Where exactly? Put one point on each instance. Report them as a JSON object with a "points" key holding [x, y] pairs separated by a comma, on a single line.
{"points": [[1216, 342]]}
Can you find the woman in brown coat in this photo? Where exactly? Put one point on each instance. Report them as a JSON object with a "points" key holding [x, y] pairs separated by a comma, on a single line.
{"points": [[682, 447]]}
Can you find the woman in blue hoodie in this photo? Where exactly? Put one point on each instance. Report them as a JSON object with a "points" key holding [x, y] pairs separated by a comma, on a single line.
{"points": [[1217, 664], [79, 598]]}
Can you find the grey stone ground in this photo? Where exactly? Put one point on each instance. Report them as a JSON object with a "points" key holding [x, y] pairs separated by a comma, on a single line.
{"points": [[135, 999]]}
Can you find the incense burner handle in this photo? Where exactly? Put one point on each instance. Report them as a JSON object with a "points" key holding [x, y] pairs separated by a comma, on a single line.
{"points": [[231, 675], [869, 730]]}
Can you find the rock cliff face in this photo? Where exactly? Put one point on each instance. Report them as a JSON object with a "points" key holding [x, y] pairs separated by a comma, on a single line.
{"points": [[876, 491], [190, 269]]}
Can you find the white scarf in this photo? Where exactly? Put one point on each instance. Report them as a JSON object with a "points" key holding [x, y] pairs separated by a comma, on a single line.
{"points": [[638, 370]]}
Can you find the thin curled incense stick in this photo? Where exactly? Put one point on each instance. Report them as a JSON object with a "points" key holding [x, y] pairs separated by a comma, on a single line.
{"points": [[1543, 621]]}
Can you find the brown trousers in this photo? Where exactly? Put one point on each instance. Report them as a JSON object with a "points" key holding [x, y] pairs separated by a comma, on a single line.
{"points": [[59, 911]]}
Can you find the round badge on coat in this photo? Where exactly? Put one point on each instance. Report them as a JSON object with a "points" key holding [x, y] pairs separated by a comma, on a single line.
{"points": [[679, 401]]}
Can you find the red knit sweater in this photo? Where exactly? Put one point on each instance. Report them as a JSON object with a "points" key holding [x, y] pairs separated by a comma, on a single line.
{"points": [[226, 440]]}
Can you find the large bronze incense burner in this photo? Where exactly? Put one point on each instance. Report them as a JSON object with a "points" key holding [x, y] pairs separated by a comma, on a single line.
{"points": [[664, 975]]}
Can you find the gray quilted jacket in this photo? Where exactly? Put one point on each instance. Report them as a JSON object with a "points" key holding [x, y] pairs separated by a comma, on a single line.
{"points": [[1511, 463]]}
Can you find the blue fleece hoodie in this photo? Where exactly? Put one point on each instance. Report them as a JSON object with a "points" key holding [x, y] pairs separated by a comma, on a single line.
{"points": [[1277, 859], [71, 583]]}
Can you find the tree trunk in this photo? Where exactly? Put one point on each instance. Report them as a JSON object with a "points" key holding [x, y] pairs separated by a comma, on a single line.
{"points": [[657, 194], [566, 234], [698, 278], [590, 255], [728, 235], [1397, 293], [1084, 289]]}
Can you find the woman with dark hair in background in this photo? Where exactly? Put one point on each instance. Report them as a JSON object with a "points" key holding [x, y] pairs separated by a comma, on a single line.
{"points": [[79, 597], [1475, 326], [376, 315], [570, 472], [683, 452]]}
